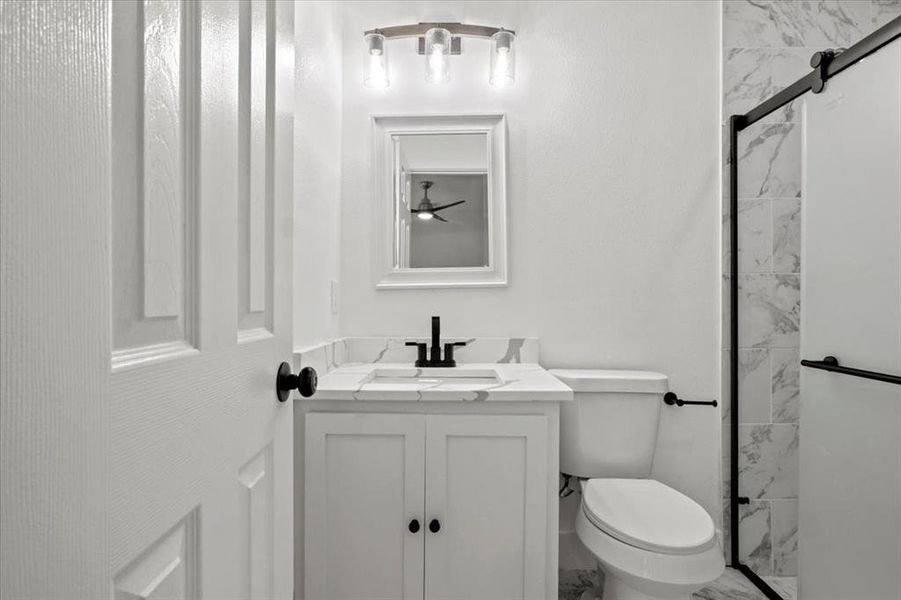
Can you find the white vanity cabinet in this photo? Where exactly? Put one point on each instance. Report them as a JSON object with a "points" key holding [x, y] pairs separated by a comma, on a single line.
{"points": [[480, 486]]}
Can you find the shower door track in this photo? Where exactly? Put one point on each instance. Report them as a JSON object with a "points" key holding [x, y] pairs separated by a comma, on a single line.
{"points": [[827, 63]]}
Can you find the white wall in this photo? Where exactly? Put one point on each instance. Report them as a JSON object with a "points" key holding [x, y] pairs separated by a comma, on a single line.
{"points": [[613, 195], [317, 169]]}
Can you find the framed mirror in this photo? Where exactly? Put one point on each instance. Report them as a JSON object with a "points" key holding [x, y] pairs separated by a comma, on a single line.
{"points": [[441, 217]]}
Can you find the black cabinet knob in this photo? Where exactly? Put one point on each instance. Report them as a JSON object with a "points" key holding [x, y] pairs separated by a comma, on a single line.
{"points": [[305, 382], [434, 526], [413, 526]]}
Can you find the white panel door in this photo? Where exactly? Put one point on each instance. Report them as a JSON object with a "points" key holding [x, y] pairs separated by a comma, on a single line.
{"points": [[850, 448], [486, 486], [364, 486], [146, 154]]}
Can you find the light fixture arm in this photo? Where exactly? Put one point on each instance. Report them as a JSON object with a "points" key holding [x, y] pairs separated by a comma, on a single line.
{"points": [[420, 29]]}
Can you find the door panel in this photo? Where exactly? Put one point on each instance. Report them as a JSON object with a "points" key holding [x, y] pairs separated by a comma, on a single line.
{"points": [[850, 441], [254, 194], [364, 484], [486, 483], [155, 62], [196, 427], [167, 570], [257, 516], [169, 35], [144, 452]]}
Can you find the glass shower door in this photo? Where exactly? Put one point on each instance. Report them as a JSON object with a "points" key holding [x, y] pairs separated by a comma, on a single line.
{"points": [[850, 448]]}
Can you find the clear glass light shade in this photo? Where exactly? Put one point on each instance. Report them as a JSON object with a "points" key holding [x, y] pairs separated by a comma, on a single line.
{"points": [[437, 55], [503, 59], [375, 61]]}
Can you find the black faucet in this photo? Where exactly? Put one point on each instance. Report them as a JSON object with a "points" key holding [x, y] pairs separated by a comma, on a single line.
{"points": [[435, 359]]}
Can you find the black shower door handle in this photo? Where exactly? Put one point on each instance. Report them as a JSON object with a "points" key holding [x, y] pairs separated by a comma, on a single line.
{"points": [[830, 363]]}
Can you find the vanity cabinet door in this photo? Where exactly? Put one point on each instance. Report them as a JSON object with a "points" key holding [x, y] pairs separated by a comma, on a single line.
{"points": [[486, 485], [364, 486]]}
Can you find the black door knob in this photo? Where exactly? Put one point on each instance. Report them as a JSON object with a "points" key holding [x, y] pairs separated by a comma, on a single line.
{"points": [[305, 382], [434, 526], [413, 526]]}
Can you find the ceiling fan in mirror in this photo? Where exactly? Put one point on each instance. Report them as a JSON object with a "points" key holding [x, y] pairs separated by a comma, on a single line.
{"points": [[426, 210]]}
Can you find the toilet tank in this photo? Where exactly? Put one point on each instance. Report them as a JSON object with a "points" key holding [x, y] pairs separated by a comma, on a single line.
{"points": [[610, 427]]}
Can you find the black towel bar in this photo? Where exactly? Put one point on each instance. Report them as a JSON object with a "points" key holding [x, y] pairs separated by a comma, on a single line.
{"points": [[830, 363]]}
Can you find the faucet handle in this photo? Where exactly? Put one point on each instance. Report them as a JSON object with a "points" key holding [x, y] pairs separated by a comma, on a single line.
{"points": [[421, 358], [449, 352]]}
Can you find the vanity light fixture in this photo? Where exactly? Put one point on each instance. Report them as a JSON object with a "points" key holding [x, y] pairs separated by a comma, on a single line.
{"points": [[437, 55], [502, 59], [376, 61], [437, 42]]}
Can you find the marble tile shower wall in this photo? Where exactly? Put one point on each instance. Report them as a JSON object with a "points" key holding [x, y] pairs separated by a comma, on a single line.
{"points": [[766, 47]]}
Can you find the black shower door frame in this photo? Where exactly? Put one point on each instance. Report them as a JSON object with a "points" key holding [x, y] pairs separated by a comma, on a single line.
{"points": [[825, 64]]}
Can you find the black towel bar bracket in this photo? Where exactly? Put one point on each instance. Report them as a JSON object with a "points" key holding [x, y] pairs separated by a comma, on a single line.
{"points": [[830, 363], [670, 398]]}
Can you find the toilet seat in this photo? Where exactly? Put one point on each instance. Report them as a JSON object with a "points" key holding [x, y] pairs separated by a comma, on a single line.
{"points": [[649, 515]]}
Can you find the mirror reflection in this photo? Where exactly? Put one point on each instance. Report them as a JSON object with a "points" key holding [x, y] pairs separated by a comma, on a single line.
{"points": [[441, 201]]}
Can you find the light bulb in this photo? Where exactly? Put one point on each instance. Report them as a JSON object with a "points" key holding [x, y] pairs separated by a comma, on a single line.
{"points": [[503, 59], [425, 216], [437, 52], [376, 61]]}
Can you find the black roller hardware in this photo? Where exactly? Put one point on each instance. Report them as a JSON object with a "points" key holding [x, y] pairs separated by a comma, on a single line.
{"points": [[413, 526], [670, 398], [820, 62], [434, 526], [304, 382]]}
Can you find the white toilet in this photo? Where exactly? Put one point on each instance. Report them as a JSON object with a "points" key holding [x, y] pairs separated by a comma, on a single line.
{"points": [[651, 541]]}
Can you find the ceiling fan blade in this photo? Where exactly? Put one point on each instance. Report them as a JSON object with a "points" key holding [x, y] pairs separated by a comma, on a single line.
{"points": [[443, 206], [440, 218]]}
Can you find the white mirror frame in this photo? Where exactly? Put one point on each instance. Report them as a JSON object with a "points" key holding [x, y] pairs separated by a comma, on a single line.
{"points": [[384, 128]]}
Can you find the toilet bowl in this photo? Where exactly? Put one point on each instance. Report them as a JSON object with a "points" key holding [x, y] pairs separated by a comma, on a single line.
{"points": [[651, 541]]}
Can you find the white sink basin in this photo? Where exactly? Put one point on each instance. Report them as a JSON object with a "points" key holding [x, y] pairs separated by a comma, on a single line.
{"points": [[467, 382], [452, 378]]}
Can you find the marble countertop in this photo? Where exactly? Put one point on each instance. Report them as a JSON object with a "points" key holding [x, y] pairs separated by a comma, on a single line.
{"points": [[518, 382]]}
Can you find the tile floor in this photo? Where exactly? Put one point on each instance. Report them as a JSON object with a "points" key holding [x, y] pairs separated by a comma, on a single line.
{"points": [[731, 586], [786, 586], [734, 586]]}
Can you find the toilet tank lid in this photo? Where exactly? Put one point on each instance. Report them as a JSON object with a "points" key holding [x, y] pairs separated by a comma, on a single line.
{"points": [[598, 380]]}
